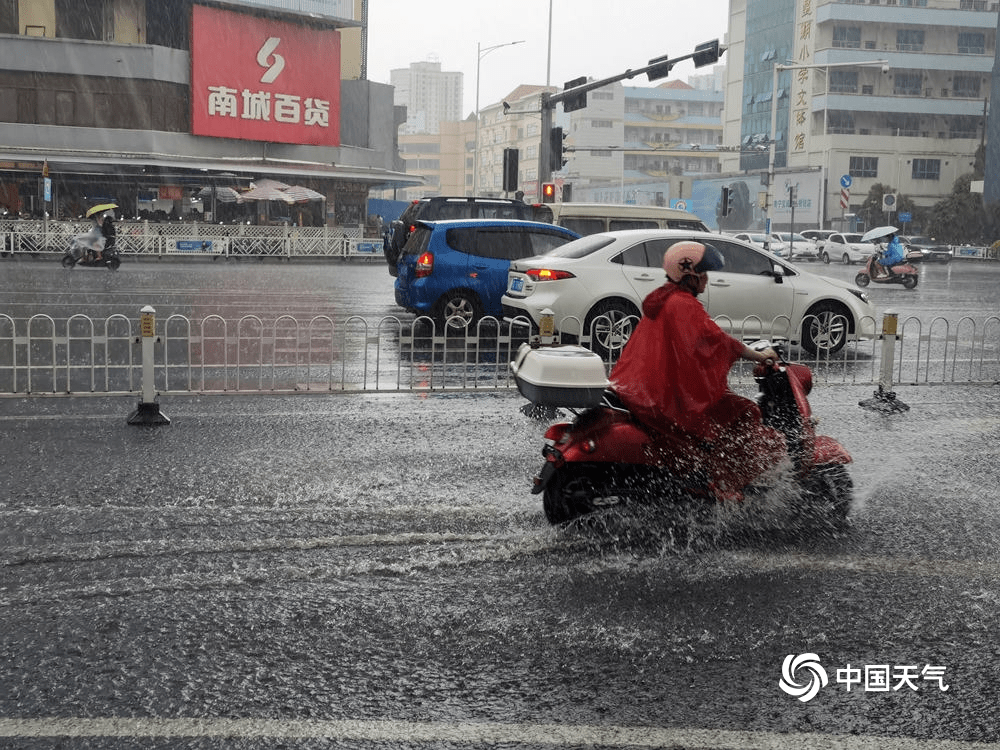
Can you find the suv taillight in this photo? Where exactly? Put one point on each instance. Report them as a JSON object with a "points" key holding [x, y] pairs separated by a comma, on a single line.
{"points": [[425, 265]]}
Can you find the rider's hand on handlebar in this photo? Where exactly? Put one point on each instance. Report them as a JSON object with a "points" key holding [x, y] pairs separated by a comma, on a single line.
{"points": [[768, 355]]}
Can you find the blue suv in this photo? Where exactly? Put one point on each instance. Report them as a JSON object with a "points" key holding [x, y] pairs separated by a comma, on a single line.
{"points": [[456, 271]]}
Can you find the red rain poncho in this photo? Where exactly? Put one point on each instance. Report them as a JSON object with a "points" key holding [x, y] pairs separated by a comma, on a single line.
{"points": [[675, 367]]}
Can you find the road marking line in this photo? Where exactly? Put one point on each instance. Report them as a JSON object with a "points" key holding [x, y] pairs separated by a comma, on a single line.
{"points": [[463, 732]]}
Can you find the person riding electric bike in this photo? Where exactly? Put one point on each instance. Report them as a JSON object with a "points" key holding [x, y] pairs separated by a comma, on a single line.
{"points": [[673, 373], [890, 256]]}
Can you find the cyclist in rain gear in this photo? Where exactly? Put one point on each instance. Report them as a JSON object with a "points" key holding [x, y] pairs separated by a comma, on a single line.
{"points": [[673, 373]]}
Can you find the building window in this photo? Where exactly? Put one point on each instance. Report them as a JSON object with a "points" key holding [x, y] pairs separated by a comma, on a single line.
{"points": [[847, 36], [840, 121], [963, 127], [926, 169], [908, 84], [601, 124], [971, 43], [863, 166], [904, 125], [965, 86], [910, 40], [843, 81]]}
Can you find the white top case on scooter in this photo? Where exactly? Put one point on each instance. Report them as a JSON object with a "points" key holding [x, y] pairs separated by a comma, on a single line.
{"points": [[568, 375]]}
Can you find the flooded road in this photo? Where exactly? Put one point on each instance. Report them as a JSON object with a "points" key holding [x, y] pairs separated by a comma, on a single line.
{"points": [[371, 571]]}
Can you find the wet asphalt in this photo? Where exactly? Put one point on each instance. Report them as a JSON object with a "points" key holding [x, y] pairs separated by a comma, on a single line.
{"points": [[374, 566], [369, 570]]}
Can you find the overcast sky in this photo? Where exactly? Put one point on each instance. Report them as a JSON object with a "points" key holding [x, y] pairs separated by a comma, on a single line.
{"points": [[595, 38]]}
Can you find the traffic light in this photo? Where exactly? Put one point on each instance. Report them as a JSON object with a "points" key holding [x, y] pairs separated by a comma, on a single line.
{"points": [[548, 192], [556, 160], [578, 101], [510, 159], [661, 68], [707, 53], [727, 200]]}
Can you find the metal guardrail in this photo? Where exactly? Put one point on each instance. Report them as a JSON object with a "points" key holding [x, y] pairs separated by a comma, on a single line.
{"points": [[80, 355], [35, 237]]}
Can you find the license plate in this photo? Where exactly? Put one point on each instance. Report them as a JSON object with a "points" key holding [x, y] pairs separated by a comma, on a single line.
{"points": [[516, 285]]}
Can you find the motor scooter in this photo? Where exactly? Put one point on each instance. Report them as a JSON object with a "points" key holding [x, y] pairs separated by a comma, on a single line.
{"points": [[606, 457], [902, 273], [83, 250]]}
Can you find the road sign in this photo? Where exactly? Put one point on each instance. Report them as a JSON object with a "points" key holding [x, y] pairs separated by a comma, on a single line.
{"points": [[846, 181], [905, 216], [679, 204], [845, 197], [48, 188]]}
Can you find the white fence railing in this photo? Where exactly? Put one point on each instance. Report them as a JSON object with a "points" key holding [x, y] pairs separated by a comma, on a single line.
{"points": [[82, 355], [36, 237]]}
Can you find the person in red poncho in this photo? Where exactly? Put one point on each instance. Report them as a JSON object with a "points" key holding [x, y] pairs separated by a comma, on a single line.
{"points": [[673, 372]]}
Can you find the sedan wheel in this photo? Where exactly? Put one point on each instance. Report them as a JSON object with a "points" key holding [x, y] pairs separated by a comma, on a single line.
{"points": [[825, 329], [847, 259], [610, 325]]}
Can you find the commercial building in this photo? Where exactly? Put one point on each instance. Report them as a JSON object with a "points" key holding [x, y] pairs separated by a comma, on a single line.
{"points": [[158, 106], [844, 120]]}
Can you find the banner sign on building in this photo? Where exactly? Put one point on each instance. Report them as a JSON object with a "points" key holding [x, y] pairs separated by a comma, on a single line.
{"points": [[261, 79]]}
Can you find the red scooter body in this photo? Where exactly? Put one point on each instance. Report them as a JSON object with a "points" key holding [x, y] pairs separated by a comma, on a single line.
{"points": [[902, 273], [607, 457]]}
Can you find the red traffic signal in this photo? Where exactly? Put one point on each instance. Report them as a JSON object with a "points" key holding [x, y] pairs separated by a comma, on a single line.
{"points": [[548, 192]]}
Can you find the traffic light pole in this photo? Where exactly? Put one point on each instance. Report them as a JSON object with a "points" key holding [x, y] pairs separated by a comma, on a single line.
{"points": [[548, 102]]}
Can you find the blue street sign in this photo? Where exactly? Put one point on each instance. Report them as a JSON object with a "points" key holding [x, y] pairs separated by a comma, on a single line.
{"points": [[48, 188], [846, 181], [905, 216]]}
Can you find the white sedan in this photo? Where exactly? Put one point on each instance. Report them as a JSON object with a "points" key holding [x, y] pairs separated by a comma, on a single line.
{"points": [[846, 248], [595, 286], [799, 247], [771, 242]]}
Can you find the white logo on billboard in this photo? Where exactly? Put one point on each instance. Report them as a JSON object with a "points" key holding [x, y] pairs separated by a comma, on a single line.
{"points": [[265, 55]]}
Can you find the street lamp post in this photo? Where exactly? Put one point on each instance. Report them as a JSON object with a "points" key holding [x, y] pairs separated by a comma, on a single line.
{"points": [[480, 54], [883, 64]]}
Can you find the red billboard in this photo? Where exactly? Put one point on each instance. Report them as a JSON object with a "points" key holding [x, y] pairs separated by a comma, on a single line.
{"points": [[260, 79]]}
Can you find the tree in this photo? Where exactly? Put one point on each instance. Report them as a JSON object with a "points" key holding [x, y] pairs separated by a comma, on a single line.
{"points": [[962, 219]]}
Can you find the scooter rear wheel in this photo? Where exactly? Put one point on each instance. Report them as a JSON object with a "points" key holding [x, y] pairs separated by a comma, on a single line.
{"points": [[68, 261], [113, 263]]}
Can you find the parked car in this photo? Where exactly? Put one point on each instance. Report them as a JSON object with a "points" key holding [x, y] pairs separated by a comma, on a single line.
{"points": [[442, 207], [920, 249], [597, 284], [456, 271], [847, 248], [799, 247], [771, 242], [819, 236]]}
